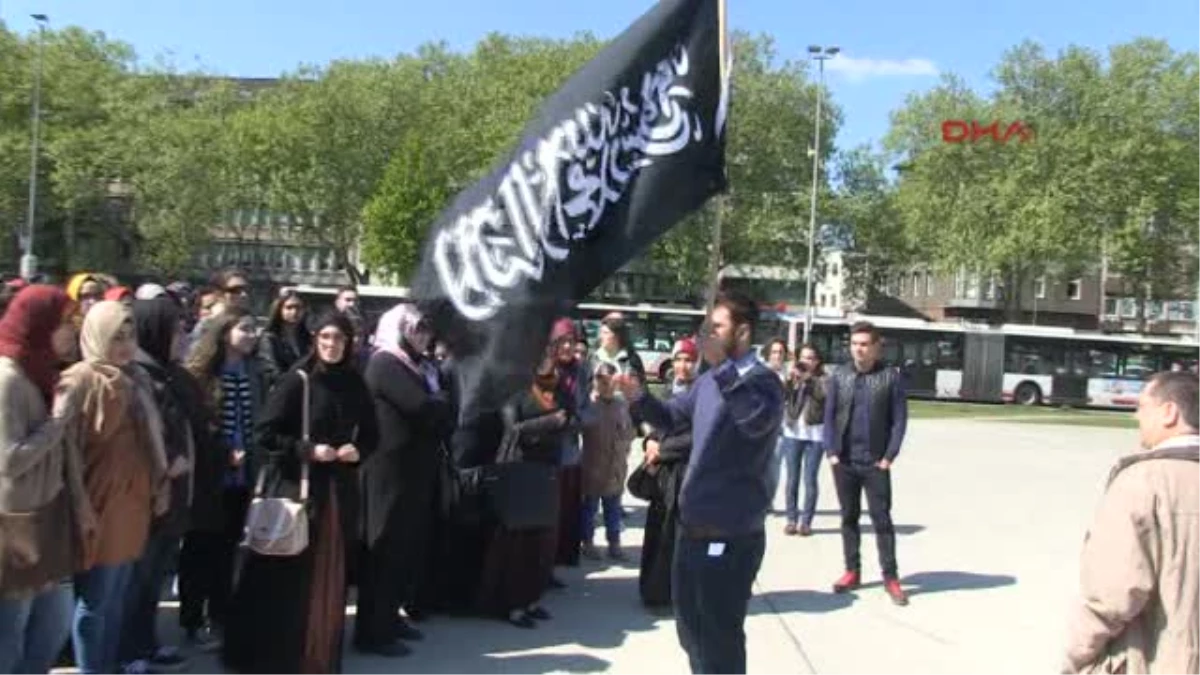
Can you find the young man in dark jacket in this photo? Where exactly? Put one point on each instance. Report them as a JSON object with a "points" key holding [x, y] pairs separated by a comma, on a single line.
{"points": [[735, 410], [866, 414]]}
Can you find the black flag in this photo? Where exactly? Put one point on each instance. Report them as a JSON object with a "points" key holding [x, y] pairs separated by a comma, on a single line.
{"points": [[631, 144]]}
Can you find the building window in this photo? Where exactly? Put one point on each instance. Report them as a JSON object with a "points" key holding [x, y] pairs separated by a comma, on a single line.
{"points": [[929, 283], [916, 284], [990, 292], [1075, 289], [960, 283], [972, 286], [1039, 288], [835, 270]]}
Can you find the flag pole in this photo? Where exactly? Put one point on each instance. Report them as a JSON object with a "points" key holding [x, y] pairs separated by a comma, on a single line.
{"points": [[715, 260]]}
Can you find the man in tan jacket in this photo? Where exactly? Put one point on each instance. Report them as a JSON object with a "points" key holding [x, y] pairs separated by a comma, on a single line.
{"points": [[1140, 575]]}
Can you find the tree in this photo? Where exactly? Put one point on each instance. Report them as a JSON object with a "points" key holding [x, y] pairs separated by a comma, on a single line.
{"points": [[1101, 151], [81, 72], [770, 171], [868, 224], [468, 111]]}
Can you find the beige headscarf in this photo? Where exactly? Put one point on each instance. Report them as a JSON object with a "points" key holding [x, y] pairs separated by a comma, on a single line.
{"points": [[95, 377]]}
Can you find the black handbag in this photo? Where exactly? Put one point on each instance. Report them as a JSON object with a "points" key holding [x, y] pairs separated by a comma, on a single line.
{"points": [[521, 495], [643, 484]]}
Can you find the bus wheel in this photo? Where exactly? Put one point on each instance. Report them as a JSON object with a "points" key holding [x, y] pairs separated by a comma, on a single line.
{"points": [[1028, 394]]}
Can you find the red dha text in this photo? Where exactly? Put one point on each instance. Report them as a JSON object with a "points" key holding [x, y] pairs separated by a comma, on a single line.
{"points": [[961, 131]]}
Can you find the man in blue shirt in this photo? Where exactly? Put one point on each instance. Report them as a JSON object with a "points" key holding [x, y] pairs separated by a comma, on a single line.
{"points": [[866, 414], [735, 411]]}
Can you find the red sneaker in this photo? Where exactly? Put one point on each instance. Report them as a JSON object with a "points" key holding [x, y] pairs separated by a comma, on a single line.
{"points": [[849, 582], [892, 586]]}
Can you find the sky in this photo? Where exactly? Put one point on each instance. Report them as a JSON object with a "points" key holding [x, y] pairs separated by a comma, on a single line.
{"points": [[889, 49]]}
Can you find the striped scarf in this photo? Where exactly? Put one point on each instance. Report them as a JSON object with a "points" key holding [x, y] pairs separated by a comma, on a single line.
{"points": [[237, 416]]}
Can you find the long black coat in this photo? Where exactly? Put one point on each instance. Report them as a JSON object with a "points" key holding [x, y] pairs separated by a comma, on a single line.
{"points": [[658, 546], [399, 476], [270, 612]]}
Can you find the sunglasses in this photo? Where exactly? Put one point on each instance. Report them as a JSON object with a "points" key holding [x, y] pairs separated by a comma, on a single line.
{"points": [[240, 290]]}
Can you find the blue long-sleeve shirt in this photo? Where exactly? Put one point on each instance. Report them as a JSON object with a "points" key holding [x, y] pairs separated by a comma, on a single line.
{"points": [[857, 438], [735, 411]]}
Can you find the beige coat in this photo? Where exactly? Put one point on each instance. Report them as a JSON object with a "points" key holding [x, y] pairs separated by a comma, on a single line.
{"points": [[607, 434], [1140, 571]]}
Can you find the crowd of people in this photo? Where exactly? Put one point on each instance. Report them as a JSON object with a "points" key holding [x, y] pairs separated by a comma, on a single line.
{"points": [[142, 423], [145, 430]]}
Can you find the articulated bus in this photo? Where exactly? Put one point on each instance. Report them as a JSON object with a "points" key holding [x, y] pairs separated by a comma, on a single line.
{"points": [[1023, 364]]}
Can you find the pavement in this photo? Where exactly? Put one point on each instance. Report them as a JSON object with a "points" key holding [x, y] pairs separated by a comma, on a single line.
{"points": [[990, 518]]}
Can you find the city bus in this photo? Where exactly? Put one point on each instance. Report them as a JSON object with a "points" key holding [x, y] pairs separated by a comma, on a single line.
{"points": [[1028, 365]]}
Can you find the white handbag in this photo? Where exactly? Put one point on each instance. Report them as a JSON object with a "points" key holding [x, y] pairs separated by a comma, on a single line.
{"points": [[278, 526]]}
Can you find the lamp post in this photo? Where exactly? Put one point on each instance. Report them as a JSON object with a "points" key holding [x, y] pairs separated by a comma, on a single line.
{"points": [[820, 55], [28, 259]]}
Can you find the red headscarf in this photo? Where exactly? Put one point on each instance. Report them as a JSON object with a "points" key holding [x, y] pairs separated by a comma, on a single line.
{"points": [[32, 317], [118, 293]]}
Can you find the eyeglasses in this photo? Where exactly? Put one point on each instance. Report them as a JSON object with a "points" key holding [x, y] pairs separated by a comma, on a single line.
{"points": [[238, 290]]}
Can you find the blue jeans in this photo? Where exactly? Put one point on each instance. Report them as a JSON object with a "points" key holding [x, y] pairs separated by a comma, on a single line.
{"points": [[33, 630], [612, 518], [99, 609], [711, 581], [139, 634], [802, 458]]}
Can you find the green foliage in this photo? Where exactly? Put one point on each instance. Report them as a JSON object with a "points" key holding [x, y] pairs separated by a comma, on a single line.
{"points": [[1113, 168]]}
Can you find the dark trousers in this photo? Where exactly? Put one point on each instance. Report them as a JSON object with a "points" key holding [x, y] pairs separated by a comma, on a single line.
{"points": [[570, 482], [851, 481], [712, 582], [380, 586], [139, 633], [206, 566]]}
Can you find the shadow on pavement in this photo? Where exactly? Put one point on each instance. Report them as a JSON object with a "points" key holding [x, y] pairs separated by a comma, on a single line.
{"points": [[936, 582], [923, 583], [868, 529], [804, 601]]}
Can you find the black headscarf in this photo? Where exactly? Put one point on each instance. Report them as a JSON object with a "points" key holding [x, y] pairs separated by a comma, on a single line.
{"points": [[157, 321], [313, 362]]}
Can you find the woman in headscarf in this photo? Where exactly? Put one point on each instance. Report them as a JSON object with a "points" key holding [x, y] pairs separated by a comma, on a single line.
{"points": [[285, 340], [42, 484], [125, 475], [519, 565], [121, 294], [176, 394], [288, 612], [400, 477], [665, 455], [85, 289], [574, 381], [222, 363]]}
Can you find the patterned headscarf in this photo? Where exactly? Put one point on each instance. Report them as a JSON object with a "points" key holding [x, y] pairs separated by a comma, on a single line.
{"points": [[396, 330]]}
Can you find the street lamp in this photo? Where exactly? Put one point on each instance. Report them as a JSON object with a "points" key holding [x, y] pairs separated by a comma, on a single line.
{"points": [[820, 55], [28, 259]]}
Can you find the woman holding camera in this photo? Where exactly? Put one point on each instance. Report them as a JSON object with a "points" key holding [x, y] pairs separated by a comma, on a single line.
{"points": [[801, 439]]}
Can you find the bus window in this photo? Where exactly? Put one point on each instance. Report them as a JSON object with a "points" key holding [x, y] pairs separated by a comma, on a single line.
{"points": [[950, 353], [1095, 360], [1140, 364], [1025, 356]]}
